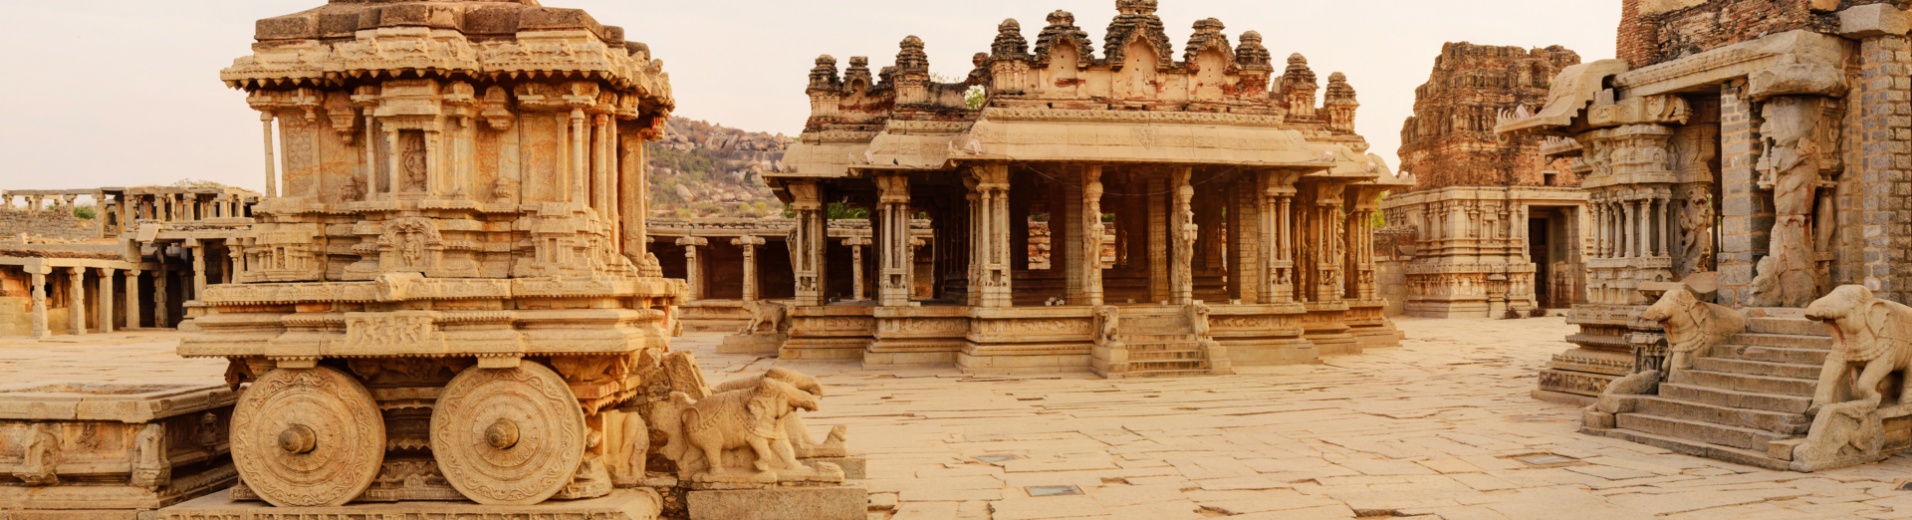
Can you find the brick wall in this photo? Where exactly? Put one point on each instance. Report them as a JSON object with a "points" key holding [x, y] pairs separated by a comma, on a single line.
{"points": [[1885, 102], [1658, 31]]}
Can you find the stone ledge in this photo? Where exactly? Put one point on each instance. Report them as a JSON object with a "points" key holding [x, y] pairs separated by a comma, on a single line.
{"points": [[623, 504], [850, 502]]}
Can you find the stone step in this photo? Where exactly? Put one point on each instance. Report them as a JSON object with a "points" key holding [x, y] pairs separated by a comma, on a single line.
{"points": [[1729, 398], [1781, 341], [1755, 458], [1165, 355], [1791, 356], [1155, 325], [1758, 368], [1747, 383], [1169, 373], [1792, 326], [1733, 436], [1788, 424], [1141, 339], [1150, 366]]}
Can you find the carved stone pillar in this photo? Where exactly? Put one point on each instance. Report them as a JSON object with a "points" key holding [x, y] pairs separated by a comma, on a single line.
{"points": [[1270, 202], [1092, 235], [808, 242], [133, 299], [693, 267], [162, 309], [580, 162], [856, 245], [76, 300], [272, 175], [199, 267], [1659, 222], [39, 330], [749, 246], [893, 237], [633, 207], [1183, 232], [107, 275], [990, 185], [1631, 247]]}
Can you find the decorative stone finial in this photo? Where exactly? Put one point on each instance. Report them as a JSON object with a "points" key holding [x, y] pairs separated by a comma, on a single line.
{"points": [[1251, 55], [912, 58], [858, 75], [1208, 33], [1297, 60], [824, 75], [1144, 7], [1339, 91], [1062, 27], [1009, 42]]}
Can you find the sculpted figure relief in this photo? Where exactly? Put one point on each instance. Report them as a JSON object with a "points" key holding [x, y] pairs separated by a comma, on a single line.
{"points": [[1692, 327], [1791, 169], [749, 420], [797, 439], [1696, 233]]}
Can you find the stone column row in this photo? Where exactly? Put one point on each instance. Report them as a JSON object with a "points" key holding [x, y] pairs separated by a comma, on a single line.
{"points": [[990, 278], [693, 267], [77, 313], [893, 237], [808, 242], [749, 246]]}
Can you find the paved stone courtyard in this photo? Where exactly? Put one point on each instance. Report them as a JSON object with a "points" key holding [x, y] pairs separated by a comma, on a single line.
{"points": [[1439, 428]]}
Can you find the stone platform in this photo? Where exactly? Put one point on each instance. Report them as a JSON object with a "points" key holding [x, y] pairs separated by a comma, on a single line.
{"points": [[759, 344], [623, 504], [73, 450], [782, 503]]}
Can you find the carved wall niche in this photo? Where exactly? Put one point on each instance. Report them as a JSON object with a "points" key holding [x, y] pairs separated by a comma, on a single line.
{"points": [[410, 245]]}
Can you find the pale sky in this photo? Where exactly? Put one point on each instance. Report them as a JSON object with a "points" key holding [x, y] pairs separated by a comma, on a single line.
{"points": [[126, 92]]}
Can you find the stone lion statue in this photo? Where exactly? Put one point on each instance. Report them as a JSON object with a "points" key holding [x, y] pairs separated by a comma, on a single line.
{"points": [[765, 313], [1872, 339], [752, 417], [796, 438], [1693, 327]]}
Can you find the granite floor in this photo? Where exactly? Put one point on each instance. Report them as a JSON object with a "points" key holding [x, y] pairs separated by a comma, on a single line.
{"points": [[1441, 427]]}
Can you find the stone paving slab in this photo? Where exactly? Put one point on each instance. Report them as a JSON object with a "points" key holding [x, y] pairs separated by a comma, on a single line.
{"points": [[1440, 428]]}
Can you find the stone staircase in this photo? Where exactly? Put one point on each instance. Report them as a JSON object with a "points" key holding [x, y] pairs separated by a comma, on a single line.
{"points": [[1161, 343], [1744, 402]]}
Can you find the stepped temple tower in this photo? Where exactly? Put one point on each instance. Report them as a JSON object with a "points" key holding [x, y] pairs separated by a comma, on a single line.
{"points": [[1751, 179], [1498, 225], [1234, 192]]}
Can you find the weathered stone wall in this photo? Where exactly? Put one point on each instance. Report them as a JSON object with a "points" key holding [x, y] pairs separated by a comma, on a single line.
{"points": [[1450, 139], [55, 224], [1658, 31]]}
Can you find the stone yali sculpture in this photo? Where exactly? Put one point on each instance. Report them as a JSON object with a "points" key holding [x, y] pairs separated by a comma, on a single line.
{"points": [[740, 435], [1693, 327]]}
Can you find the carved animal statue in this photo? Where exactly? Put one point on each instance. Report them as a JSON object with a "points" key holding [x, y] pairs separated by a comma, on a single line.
{"points": [[1693, 327], [748, 418], [796, 438], [1108, 319], [765, 313], [1872, 338]]}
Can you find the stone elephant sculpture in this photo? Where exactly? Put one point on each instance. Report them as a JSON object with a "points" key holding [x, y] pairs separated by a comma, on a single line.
{"points": [[797, 437], [1693, 327], [1872, 338], [762, 313], [751, 417]]}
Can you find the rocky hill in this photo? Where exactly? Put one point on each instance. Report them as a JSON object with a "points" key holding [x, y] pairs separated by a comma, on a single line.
{"points": [[701, 169]]}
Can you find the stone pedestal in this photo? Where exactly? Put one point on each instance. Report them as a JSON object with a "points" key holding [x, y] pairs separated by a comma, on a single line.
{"points": [[623, 504], [755, 344], [89, 451], [848, 502]]}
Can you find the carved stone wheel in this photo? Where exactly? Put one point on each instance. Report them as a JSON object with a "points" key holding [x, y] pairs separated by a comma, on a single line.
{"points": [[510, 436], [307, 437]]}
